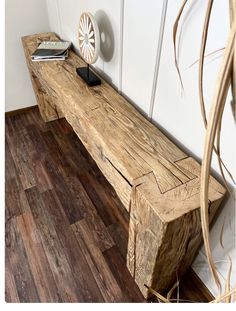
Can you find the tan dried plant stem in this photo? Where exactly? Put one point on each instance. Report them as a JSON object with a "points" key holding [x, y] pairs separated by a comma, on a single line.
{"points": [[170, 293], [232, 10], [223, 297], [175, 28], [227, 285], [201, 96], [217, 106], [159, 296], [207, 55], [201, 60]]}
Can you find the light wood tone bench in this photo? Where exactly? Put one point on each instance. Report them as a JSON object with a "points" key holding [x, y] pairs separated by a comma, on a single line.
{"points": [[157, 183]]}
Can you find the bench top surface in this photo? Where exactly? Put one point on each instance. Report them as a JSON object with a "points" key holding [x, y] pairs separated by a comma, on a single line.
{"points": [[134, 146]]}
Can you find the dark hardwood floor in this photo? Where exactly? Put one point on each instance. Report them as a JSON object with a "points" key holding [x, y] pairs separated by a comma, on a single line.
{"points": [[66, 230]]}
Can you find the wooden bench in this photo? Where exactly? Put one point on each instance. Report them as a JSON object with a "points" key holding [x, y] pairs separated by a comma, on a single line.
{"points": [[157, 182]]}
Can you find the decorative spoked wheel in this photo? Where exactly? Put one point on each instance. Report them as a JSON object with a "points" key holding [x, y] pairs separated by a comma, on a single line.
{"points": [[89, 39]]}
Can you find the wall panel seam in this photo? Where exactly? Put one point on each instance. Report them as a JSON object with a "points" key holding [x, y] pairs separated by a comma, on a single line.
{"points": [[158, 58], [59, 18], [121, 45]]}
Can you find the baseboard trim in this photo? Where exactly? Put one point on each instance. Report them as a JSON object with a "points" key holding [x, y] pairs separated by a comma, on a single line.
{"points": [[19, 111]]}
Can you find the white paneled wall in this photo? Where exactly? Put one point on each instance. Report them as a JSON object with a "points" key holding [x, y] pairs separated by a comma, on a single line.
{"points": [[140, 42], [132, 37], [23, 18]]}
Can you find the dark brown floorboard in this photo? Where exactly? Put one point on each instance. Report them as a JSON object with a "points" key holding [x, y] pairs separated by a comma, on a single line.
{"points": [[61, 217], [66, 229]]}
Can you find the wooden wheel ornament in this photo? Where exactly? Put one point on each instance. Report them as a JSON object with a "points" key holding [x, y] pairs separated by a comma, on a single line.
{"points": [[89, 46], [89, 39]]}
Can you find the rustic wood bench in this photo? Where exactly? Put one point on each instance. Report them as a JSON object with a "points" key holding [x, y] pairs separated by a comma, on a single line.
{"points": [[157, 183]]}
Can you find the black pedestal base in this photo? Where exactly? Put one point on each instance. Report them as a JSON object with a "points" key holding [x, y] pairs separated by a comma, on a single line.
{"points": [[88, 76]]}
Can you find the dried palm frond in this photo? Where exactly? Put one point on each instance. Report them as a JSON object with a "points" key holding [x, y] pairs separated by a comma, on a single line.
{"points": [[214, 127], [201, 60], [221, 233], [218, 104], [200, 83], [175, 28], [227, 286], [207, 55], [201, 96]]}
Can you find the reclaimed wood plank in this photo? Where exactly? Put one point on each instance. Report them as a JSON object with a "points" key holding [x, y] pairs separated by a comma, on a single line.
{"points": [[68, 289], [63, 192], [118, 267], [16, 201], [120, 237], [11, 294], [83, 205], [38, 262], [20, 147], [16, 255], [75, 257], [79, 190], [104, 278]]}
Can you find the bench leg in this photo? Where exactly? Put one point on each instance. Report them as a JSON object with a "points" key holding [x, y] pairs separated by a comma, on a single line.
{"points": [[160, 250], [47, 106]]}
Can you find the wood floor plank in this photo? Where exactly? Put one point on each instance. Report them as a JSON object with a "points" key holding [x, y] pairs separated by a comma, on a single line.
{"points": [[122, 275], [103, 275], [54, 250], [33, 118], [39, 146], [100, 190], [37, 155], [20, 147], [84, 171], [85, 205], [70, 206], [42, 274], [16, 255], [82, 206], [11, 294], [10, 168], [16, 123], [120, 237], [75, 257], [16, 202]]}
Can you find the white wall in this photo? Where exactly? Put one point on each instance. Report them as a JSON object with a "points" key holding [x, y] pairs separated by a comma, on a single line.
{"points": [[22, 18]]}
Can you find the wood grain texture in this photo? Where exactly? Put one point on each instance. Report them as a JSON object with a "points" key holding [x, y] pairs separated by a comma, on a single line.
{"points": [[39, 265], [17, 259], [101, 272], [157, 182]]}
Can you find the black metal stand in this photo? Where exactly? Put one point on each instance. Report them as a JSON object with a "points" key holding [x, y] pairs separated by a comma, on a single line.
{"points": [[88, 76]]}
